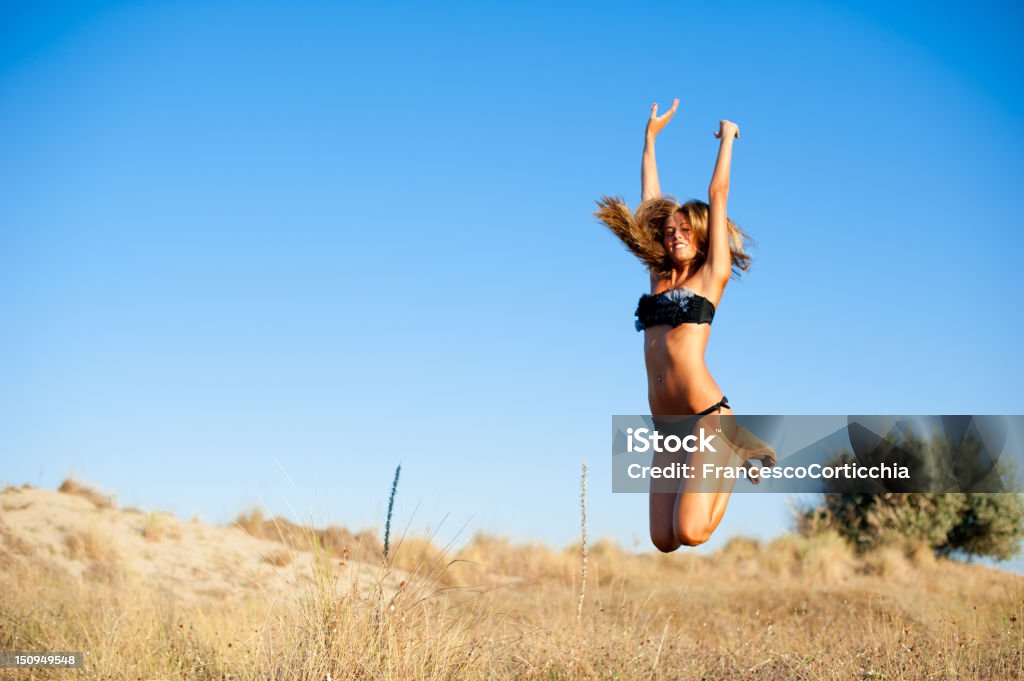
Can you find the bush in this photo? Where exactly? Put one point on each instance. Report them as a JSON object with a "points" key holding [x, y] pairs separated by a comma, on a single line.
{"points": [[966, 523], [990, 525]]}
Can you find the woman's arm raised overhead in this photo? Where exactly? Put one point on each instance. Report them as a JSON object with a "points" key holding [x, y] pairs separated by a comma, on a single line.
{"points": [[718, 265], [649, 186]]}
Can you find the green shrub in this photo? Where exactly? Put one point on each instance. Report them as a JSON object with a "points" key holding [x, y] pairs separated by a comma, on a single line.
{"points": [[951, 523]]}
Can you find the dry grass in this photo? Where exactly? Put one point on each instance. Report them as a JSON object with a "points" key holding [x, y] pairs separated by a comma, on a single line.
{"points": [[13, 547], [103, 561], [72, 486], [88, 545], [279, 558], [153, 529], [158, 526], [792, 608], [337, 541]]}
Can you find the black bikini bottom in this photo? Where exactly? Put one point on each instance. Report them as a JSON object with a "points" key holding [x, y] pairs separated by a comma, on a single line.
{"points": [[724, 402], [682, 423]]}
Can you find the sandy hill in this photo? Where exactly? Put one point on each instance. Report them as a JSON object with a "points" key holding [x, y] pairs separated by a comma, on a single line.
{"points": [[149, 596], [82, 533]]}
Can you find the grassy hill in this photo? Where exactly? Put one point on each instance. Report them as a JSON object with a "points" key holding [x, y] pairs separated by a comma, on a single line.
{"points": [[147, 595]]}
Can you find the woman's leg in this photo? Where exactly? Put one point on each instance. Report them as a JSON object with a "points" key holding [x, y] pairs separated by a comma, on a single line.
{"points": [[688, 512], [662, 511], [680, 513], [701, 502], [662, 501]]}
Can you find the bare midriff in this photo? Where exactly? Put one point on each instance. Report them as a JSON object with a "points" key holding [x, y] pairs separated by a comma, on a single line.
{"points": [[678, 380]]}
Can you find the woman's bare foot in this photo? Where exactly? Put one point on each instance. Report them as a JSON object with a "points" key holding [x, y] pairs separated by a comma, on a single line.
{"points": [[749, 446], [750, 451]]}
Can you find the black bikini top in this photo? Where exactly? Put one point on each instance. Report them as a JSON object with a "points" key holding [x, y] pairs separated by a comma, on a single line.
{"points": [[673, 307]]}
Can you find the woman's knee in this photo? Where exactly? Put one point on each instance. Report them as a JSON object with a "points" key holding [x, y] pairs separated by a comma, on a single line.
{"points": [[691, 533], [664, 541]]}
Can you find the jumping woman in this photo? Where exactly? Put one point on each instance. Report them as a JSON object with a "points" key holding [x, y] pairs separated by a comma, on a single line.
{"points": [[691, 250]]}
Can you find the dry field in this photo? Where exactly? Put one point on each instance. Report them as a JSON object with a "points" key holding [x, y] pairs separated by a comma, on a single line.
{"points": [[149, 596]]}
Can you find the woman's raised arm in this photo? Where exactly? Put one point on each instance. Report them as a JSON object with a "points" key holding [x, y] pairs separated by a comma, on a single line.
{"points": [[649, 186], [718, 265]]}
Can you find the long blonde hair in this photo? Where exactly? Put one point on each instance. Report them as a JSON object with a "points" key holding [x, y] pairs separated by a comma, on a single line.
{"points": [[643, 232]]}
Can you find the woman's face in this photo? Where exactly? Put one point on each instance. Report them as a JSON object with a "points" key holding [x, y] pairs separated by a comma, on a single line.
{"points": [[678, 239]]}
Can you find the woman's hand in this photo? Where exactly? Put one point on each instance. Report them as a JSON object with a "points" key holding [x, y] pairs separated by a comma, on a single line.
{"points": [[655, 123], [727, 130]]}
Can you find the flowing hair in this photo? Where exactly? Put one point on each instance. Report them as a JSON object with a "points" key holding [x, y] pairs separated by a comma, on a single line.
{"points": [[643, 232]]}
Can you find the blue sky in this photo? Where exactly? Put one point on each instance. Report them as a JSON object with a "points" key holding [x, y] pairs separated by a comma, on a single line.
{"points": [[264, 252]]}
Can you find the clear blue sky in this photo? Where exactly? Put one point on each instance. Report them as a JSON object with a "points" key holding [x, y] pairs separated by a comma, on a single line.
{"points": [[263, 252]]}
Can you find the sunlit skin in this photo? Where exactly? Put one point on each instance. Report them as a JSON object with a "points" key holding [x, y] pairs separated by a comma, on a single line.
{"points": [[678, 380]]}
